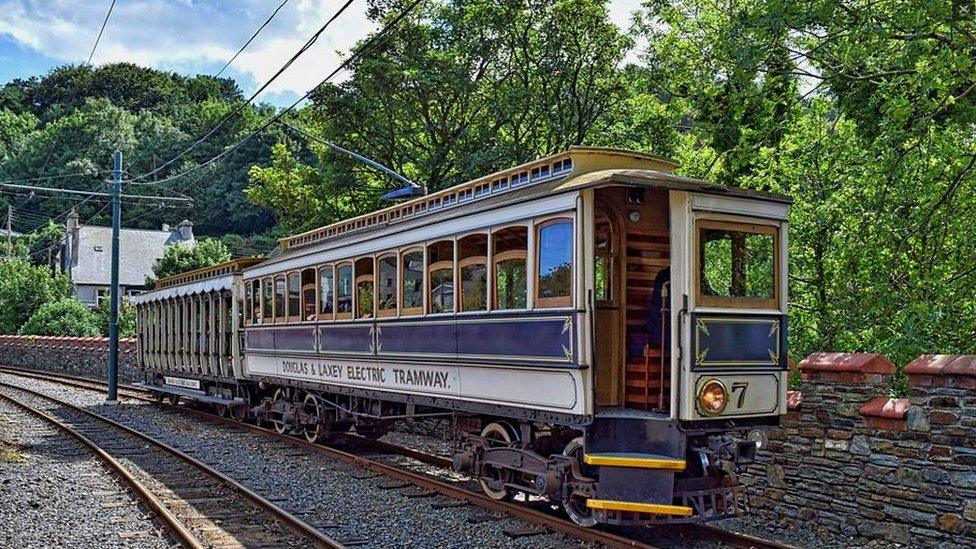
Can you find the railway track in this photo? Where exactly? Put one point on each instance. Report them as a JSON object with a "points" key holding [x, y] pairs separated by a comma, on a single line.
{"points": [[425, 482], [200, 506]]}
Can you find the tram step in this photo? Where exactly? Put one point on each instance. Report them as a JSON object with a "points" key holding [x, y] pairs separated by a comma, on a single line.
{"points": [[639, 507], [634, 459]]}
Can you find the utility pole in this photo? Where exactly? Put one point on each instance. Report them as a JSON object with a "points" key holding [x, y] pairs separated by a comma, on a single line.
{"points": [[10, 222], [113, 319]]}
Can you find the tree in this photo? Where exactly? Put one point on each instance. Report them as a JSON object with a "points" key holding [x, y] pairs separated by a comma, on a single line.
{"points": [[64, 317], [180, 258], [127, 319], [23, 289]]}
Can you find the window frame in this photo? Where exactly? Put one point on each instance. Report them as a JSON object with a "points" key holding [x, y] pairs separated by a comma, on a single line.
{"points": [[318, 292], [460, 264], [335, 284], [386, 313], [731, 302], [561, 302], [412, 311], [288, 277], [267, 307], [611, 254], [498, 257], [248, 303], [444, 264], [283, 316], [356, 280], [302, 288]]}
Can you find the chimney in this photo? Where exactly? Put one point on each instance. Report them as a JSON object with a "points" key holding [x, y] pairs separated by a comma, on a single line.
{"points": [[185, 228], [71, 242], [166, 227]]}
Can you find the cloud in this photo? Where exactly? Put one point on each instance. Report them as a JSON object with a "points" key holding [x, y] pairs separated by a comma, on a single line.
{"points": [[199, 36]]}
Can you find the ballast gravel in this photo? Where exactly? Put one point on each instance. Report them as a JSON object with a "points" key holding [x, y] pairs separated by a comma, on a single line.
{"points": [[352, 506], [55, 493]]}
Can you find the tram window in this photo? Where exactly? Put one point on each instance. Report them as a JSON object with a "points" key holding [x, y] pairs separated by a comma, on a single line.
{"points": [[440, 274], [308, 294], [294, 296], [473, 272], [279, 297], [364, 288], [326, 292], [412, 288], [509, 247], [256, 303], [267, 303], [248, 302], [386, 285], [603, 258], [344, 291], [737, 265], [555, 261]]}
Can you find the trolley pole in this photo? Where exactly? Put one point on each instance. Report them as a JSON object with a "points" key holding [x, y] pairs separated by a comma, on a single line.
{"points": [[113, 319]]}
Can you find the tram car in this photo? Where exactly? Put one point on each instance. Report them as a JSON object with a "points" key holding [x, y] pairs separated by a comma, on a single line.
{"points": [[605, 333]]}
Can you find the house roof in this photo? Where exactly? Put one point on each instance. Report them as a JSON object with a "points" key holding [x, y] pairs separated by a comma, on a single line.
{"points": [[139, 250]]}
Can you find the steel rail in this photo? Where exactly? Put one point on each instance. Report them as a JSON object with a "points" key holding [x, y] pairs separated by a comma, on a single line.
{"points": [[296, 524], [175, 526], [735, 539]]}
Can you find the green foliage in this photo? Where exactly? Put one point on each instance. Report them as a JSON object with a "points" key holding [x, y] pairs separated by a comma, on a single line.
{"points": [[127, 318], [64, 317], [181, 258], [72, 119], [23, 289]]}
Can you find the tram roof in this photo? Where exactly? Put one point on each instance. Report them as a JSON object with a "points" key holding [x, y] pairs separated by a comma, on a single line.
{"points": [[575, 169]]}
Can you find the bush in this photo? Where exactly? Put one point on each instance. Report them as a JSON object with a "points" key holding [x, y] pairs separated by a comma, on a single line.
{"points": [[127, 318], [23, 289], [64, 317]]}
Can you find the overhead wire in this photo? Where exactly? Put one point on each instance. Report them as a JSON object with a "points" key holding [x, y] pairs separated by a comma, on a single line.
{"points": [[100, 31], [251, 39], [360, 51], [236, 110]]}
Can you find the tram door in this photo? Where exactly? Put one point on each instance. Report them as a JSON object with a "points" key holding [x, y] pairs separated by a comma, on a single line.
{"points": [[609, 320], [631, 248]]}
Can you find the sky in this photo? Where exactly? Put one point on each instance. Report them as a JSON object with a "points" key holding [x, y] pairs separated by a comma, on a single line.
{"points": [[192, 37]]}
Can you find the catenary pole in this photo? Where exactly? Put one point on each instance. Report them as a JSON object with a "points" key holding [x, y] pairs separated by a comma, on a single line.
{"points": [[113, 319]]}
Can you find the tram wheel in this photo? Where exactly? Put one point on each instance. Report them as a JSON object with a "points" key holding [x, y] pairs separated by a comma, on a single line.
{"points": [[497, 435], [312, 427], [277, 417], [575, 506], [174, 400]]}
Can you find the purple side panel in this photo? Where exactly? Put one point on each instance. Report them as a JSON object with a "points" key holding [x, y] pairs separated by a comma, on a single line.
{"points": [[260, 339], [295, 339], [357, 339], [515, 337], [439, 338]]}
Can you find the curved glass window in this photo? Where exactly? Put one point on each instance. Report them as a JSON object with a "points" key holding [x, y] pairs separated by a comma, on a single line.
{"points": [[386, 285], [412, 287], [365, 292], [279, 297], [603, 258], [267, 303], [440, 273], [294, 296], [473, 272], [309, 298], [326, 291], [509, 253], [344, 290], [555, 260]]}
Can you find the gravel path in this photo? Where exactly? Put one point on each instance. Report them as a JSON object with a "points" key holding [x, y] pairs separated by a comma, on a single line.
{"points": [[344, 501], [55, 493]]}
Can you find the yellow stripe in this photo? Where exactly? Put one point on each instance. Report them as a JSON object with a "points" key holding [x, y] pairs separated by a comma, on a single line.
{"points": [[633, 461], [655, 508]]}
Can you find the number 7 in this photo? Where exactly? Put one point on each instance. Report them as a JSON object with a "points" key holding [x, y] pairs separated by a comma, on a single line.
{"points": [[742, 396]]}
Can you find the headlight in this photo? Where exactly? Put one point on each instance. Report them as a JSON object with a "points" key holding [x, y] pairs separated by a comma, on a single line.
{"points": [[759, 437], [712, 397]]}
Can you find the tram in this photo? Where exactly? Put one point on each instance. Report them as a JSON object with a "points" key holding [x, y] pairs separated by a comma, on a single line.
{"points": [[605, 333]]}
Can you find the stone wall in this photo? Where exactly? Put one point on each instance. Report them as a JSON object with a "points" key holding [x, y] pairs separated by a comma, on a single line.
{"points": [[83, 356], [850, 461]]}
